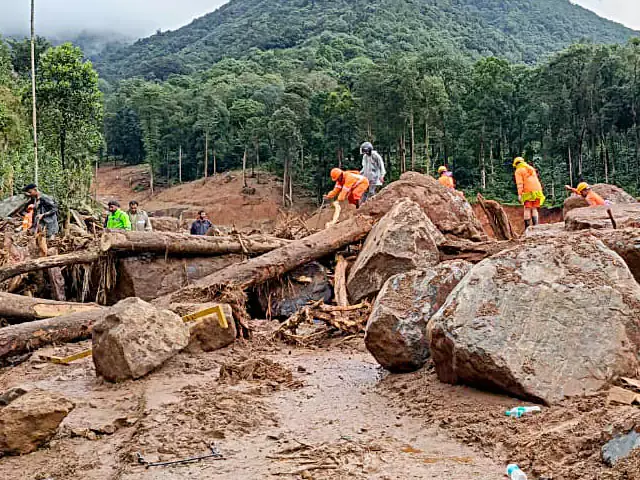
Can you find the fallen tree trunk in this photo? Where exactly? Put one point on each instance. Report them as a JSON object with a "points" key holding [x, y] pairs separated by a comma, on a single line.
{"points": [[21, 308], [44, 263], [277, 262], [25, 337], [178, 244], [473, 252], [340, 282]]}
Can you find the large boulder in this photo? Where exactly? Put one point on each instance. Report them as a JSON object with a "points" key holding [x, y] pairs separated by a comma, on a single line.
{"points": [[206, 332], [403, 240], [151, 276], [626, 243], [609, 192], [31, 420], [283, 297], [396, 333], [541, 321], [165, 224], [133, 338], [447, 209], [625, 215]]}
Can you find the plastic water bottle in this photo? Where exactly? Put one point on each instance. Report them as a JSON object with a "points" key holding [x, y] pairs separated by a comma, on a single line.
{"points": [[517, 412], [514, 472]]}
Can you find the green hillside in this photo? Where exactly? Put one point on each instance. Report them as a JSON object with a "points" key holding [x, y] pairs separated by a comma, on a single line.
{"points": [[518, 30]]}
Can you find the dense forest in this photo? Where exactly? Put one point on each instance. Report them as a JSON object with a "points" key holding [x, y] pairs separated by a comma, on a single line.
{"points": [[70, 121], [428, 82], [318, 32]]}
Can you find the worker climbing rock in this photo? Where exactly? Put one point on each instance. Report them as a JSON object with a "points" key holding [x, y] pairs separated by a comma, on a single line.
{"points": [[585, 191], [372, 168], [446, 178], [350, 185], [529, 190]]}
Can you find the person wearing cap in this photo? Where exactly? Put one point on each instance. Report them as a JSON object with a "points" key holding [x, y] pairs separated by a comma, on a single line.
{"points": [[45, 211], [372, 168], [446, 178], [585, 191], [529, 190], [117, 219], [350, 186], [139, 218]]}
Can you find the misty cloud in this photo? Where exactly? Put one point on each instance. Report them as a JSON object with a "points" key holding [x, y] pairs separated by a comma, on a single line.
{"points": [[144, 17], [132, 17]]}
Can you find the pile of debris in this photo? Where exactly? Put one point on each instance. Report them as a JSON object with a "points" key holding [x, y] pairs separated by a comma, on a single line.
{"points": [[538, 320]]}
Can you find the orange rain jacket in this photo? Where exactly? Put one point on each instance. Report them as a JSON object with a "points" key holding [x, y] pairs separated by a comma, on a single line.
{"points": [[527, 180], [446, 181], [593, 199], [352, 186]]}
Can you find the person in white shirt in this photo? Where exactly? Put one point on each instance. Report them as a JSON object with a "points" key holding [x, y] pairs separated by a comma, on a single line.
{"points": [[372, 168]]}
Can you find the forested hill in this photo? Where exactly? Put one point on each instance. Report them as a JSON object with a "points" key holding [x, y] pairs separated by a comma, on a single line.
{"points": [[518, 30]]}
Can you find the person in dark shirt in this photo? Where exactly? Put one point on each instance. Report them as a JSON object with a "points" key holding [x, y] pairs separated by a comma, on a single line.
{"points": [[45, 211], [202, 224]]}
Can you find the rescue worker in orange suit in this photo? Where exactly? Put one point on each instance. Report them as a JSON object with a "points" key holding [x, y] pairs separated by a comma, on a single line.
{"points": [[585, 191], [529, 190], [350, 185], [446, 178]]}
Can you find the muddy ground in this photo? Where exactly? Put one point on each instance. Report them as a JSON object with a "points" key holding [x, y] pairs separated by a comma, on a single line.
{"points": [[289, 412]]}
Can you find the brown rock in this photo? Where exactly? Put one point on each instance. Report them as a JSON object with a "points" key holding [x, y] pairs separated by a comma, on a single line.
{"points": [[133, 338], [396, 333], [150, 276], [626, 243], [165, 224], [541, 321], [403, 240], [614, 194], [448, 210], [206, 332], [31, 420], [625, 215]]}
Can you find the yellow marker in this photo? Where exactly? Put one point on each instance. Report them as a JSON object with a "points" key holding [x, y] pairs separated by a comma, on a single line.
{"points": [[71, 358], [222, 319]]}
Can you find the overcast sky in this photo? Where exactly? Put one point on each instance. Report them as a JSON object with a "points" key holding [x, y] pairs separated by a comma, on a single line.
{"points": [[143, 17]]}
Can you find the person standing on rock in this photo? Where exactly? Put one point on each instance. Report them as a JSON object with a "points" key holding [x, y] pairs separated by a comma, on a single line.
{"points": [[529, 190], [350, 186], [117, 219], [202, 224], [585, 191], [446, 178], [372, 168], [139, 219], [45, 211]]}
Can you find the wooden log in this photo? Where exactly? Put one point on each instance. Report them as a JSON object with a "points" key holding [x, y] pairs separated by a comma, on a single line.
{"points": [[473, 252], [25, 337], [277, 262], [44, 263], [169, 243], [340, 282], [497, 217], [21, 308]]}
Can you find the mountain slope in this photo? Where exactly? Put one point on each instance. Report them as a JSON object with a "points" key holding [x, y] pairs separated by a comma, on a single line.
{"points": [[519, 30]]}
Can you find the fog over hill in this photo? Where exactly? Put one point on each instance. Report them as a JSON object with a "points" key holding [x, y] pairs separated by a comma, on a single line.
{"points": [[139, 18]]}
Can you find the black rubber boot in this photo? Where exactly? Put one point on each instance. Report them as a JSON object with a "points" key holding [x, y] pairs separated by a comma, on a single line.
{"points": [[526, 224], [535, 220]]}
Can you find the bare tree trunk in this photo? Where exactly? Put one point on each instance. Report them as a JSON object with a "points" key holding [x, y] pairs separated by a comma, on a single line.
{"points": [[206, 154], [284, 183], [33, 90], [492, 180], [151, 178], [44, 263], [180, 164], [426, 146], [215, 160], [413, 143], [244, 168], [483, 172], [19, 308], [258, 160], [570, 168]]}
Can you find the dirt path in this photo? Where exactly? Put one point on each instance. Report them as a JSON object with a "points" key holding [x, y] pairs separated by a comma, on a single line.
{"points": [[311, 414]]}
